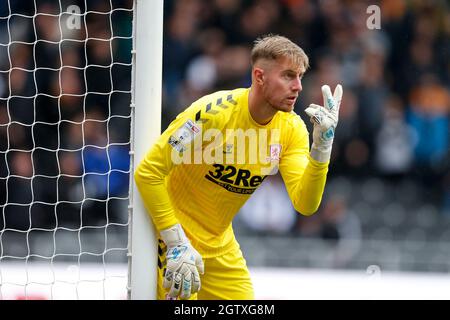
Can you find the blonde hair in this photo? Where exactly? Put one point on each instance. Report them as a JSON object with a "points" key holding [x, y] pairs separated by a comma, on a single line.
{"points": [[272, 47]]}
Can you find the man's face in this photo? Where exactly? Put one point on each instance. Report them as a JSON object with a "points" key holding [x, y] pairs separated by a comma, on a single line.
{"points": [[281, 83]]}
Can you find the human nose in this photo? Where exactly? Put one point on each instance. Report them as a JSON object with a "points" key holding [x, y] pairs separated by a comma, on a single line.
{"points": [[297, 85]]}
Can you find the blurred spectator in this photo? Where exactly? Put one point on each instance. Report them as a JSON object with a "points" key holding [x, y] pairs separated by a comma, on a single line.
{"points": [[335, 222], [178, 46], [428, 115], [102, 162], [233, 67], [269, 210], [303, 14], [16, 212], [372, 93], [226, 16], [394, 141], [202, 71], [340, 224], [257, 19]]}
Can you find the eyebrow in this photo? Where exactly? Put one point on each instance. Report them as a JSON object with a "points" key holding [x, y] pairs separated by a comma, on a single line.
{"points": [[290, 71]]}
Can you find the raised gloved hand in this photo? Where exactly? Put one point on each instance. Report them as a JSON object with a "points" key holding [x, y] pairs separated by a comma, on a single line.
{"points": [[184, 264], [325, 119]]}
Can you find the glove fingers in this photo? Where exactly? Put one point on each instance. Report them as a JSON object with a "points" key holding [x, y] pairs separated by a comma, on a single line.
{"points": [[317, 113], [312, 108], [199, 264], [186, 286], [338, 91], [176, 285], [328, 100], [327, 115], [196, 283], [168, 277], [312, 112]]}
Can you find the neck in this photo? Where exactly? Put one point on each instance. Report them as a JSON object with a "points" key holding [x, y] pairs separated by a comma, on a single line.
{"points": [[260, 111]]}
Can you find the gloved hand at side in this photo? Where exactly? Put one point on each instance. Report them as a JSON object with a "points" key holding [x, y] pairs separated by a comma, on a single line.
{"points": [[184, 264]]}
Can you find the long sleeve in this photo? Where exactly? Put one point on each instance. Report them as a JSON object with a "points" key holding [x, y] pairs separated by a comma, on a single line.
{"points": [[150, 179], [151, 174], [304, 177], [176, 145]]}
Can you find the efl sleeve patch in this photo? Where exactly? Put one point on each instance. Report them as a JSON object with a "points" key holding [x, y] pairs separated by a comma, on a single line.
{"points": [[184, 136]]}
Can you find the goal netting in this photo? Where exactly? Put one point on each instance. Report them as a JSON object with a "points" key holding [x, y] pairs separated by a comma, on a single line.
{"points": [[65, 93]]}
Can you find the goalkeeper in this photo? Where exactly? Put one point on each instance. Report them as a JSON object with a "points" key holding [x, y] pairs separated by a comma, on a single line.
{"points": [[192, 204]]}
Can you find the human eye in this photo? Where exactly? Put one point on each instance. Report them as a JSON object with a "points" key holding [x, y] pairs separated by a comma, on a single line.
{"points": [[289, 75]]}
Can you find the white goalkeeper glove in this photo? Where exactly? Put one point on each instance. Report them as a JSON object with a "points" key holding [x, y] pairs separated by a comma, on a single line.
{"points": [[183, 264], [325, 119]]}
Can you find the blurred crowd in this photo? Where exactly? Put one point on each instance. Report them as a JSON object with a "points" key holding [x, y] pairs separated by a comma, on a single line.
{"points": [[394, 118], [65, 90], [64, 100]]}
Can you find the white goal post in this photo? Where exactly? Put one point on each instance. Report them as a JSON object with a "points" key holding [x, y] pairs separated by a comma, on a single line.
{"points": [[80, 104], [148, 37]]}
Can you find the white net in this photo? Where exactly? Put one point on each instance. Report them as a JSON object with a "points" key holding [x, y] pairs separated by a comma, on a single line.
{"points": [[65, 91]]}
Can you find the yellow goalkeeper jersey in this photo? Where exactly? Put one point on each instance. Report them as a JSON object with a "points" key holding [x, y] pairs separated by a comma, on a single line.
{"points": [[211, 159]]}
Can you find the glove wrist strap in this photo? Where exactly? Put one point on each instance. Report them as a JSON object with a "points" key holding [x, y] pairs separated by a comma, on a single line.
{"points": [[174, 235], [322, 153]]}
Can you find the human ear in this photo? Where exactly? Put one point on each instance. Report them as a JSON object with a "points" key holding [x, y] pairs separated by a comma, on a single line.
{"points": [[258, 75]]}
